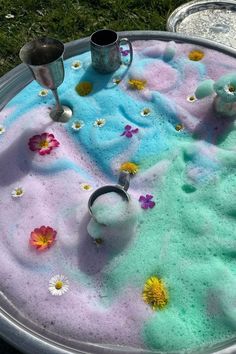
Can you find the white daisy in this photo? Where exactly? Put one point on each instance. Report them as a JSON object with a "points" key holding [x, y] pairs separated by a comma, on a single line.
{"points": [[145, 112], [17, 192], [77, 125], [76, 65], [179, 127], [191, 98], [2, 129], [9, 16], [43, 92], [99, 123], [116, 80], [230, 89], [58, 285], [98, 241], [86, 186]]}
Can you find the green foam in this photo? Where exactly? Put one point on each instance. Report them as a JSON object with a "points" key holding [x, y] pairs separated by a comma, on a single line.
{"points": [[189, 242], [204, 89]]}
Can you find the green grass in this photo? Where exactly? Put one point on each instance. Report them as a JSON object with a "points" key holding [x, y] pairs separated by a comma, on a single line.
{"points": [[72, 19]]}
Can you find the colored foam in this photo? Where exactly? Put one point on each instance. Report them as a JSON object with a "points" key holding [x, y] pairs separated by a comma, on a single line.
{"points": [[186, 161]]}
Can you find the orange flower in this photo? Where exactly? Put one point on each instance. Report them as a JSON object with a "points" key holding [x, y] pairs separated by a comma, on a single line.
{"points": [[42, 238], [196, 55]]}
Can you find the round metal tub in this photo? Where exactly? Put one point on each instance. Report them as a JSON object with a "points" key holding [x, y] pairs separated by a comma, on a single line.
{"points": [[14, 327]]}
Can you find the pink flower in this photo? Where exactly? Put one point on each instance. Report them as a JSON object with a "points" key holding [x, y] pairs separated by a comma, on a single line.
{"points": [[146, 202], [128, 132], [42, 238], [43, 143]]}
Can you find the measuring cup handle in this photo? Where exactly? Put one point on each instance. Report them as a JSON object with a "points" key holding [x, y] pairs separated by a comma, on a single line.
{"points": [[123, 180], [126, 40]]}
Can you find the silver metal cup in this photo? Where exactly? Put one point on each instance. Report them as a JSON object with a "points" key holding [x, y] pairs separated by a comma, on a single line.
{"points": [[121, 188], [105, 51], [44, 57]]}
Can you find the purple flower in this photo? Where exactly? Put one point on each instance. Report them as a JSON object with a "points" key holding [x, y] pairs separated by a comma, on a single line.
{"points": [[128, 132], [146, 202], [124, 53]]}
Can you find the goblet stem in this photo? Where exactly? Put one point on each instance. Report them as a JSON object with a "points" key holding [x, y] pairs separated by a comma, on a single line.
{"points": [[44, 58], [59, 107]]}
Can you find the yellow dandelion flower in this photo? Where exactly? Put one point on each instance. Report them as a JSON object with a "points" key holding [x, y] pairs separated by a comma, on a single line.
{"points": [[155, 293], [196, 55], [137, 84], [130, 167], [84, 88]]}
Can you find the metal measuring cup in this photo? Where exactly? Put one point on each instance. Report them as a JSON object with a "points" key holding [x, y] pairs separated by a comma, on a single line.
{"points": [[105, 46], [121, 188]]}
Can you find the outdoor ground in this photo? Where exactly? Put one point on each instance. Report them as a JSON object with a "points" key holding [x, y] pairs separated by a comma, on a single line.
{"points": [[73, 19]]}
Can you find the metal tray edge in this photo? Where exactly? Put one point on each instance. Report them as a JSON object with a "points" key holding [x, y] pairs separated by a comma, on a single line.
{"points": [[182, 11]]}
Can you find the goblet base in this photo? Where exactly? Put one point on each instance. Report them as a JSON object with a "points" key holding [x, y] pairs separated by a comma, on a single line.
{"points": [[61, 116]]}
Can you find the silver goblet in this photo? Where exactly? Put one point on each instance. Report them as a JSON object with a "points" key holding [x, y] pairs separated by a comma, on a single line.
{"points": [[44, 58]]}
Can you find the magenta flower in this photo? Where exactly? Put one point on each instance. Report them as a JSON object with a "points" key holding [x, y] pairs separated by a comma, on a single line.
{"points": [[43, 143], [128, 132], [146, 202], [124, 53]]}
